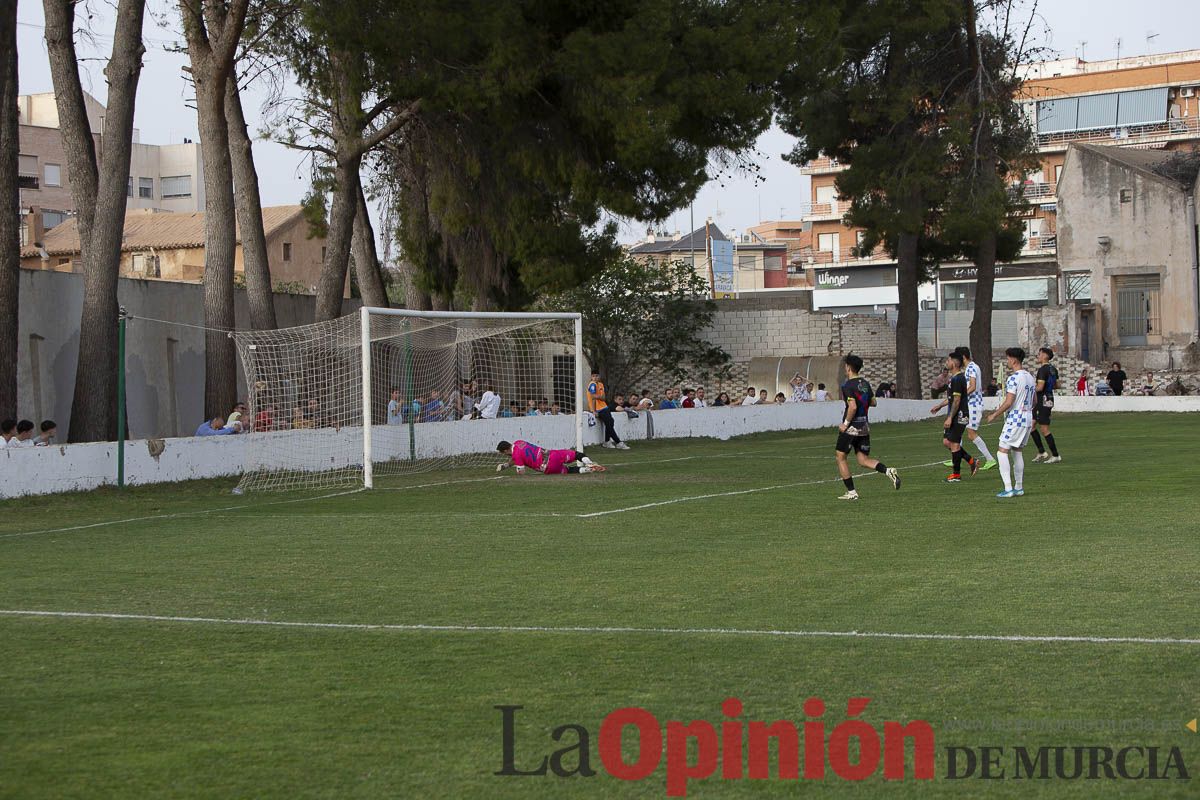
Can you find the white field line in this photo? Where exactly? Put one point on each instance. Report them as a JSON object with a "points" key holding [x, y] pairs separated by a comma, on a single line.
{"points": [[177, 515], [737, 492], [589, 629], [438, 483]]}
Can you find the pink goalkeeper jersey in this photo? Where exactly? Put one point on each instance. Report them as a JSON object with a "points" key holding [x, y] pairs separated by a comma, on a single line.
{"points": [[526, 454]]}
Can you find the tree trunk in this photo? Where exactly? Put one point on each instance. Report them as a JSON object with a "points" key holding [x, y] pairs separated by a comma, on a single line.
{"points": [[332, 285], [366, 262], [212, 32], [415, 297], [981, 321], [249, 213], [10, 201], [99, 192], [908, 361]]}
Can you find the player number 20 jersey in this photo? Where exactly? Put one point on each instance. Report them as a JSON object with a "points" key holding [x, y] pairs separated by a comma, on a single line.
{"points": [[1021, 385]]}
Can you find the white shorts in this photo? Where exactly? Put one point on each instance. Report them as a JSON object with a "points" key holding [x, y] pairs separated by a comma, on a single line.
{"points": [[1014, 437], [974, 416]]}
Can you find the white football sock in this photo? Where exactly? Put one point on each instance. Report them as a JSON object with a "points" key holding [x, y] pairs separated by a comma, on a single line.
{"points": [[982, 447], [1019, 469], [1002, 457]]}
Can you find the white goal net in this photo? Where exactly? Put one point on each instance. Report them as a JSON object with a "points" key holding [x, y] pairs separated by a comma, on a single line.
{"points": [[390, 392]]}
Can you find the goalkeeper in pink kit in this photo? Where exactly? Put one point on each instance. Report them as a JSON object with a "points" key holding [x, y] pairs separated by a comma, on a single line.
{"points": [[552, 462]]}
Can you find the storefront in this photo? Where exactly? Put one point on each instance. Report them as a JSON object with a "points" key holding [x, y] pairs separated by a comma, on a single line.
{"points": [[860, 290], [1017, 286]]}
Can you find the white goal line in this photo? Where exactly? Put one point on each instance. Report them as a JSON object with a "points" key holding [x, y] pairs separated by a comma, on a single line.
{"points": [[605, 630]]}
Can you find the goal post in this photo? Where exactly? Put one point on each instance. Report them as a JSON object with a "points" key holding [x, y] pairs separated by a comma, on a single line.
{"points": [[388, 392]]}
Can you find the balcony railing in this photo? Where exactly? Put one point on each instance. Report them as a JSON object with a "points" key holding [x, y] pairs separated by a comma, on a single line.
{"points": [[1046, 244], [822, 164], [1125, 134], [844, 255], [1033, 191]]}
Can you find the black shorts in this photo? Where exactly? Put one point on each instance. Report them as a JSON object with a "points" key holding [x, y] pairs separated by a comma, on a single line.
{"points": [[859, 444], [1041, 415], [955, 432]]}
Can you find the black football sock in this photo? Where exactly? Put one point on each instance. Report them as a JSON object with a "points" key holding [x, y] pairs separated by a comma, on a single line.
{"points": [[572, 470], [1037, 440], [849, 483], [1050, 444], [880, 468], [956, 457]]}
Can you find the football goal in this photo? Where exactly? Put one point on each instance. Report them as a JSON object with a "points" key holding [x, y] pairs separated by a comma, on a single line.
{"points": [[392, 392]]}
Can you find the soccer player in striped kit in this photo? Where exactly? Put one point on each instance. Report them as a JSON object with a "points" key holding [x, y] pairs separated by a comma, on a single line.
{"points": [[975, 407], [1019, 389]]}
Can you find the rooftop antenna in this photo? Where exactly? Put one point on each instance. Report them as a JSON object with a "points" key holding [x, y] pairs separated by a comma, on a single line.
{"points": [[1150, 37], [1118, 51], [1082, 49]]}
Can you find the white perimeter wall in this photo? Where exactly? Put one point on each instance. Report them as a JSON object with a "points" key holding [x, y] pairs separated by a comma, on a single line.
{"points": [[76, 467]]}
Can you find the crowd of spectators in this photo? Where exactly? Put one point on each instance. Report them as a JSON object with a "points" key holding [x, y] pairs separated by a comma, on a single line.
{"points": [[16, 434]]}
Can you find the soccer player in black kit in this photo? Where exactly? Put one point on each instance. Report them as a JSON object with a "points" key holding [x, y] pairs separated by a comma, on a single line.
{"points": [[855, 433], [1047, 379], [956, 417]]}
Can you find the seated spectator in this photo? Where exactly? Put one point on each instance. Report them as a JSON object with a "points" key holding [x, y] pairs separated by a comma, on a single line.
{"points": [[531, 408], [215, 427], [668, 401], [234, 420], [543, 407], [1103, 389], [299, 420], [801, 389], [992, 389], [555, 409], [821, 395], [885, 389], [939, 384], [762, 397], [639, 403], [751, 397], [722, 400], [689, 399], [780, 398], [22, 434], [1147, 385], [513, 410], [264, 420], [46, 437], [435, 410], [8, 431], [698, 399]]}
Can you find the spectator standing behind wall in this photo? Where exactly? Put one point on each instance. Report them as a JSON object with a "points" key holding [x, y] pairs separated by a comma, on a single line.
{"points": [[822, 395], [215, 427], [488, 406], [8, 431], [751, 397], [1116, 378], [46, 437], [234, 422], [395, 409], [23, 436]]}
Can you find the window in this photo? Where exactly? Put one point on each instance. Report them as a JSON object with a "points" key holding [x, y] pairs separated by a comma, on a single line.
{"points": [[27, 172], [129, 191], [773, 262], [287, 251], [146, 188], [747, 263], [52, 218], [1033, 229], [53, 175], [1079, 286], [1058, 173], [177, 186], [1126, 195], [138, 262]]}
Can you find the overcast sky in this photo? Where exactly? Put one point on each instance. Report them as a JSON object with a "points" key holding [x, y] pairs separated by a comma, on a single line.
{"points": [[735, 201]]}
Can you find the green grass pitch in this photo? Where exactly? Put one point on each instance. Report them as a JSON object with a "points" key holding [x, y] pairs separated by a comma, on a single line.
{"points": [[1103, 545]]}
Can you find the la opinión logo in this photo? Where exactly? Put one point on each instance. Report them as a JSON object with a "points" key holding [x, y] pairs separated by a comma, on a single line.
{"points": [[738, 749]]}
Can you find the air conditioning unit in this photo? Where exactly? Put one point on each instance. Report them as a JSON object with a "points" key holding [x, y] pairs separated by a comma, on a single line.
{"points": [[1187, 91]]}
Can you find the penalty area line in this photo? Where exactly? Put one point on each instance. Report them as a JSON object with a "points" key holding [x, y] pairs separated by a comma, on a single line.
{"points": [[606, 630]]}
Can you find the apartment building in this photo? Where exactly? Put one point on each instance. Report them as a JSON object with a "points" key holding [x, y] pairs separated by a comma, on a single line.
{"points": [[746, 264], [1142, 102], [161, 177]]}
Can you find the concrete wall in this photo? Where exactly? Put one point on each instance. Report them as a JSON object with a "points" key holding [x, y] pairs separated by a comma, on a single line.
{"points": [[1147, 237], [81, 467], [165, 362]]}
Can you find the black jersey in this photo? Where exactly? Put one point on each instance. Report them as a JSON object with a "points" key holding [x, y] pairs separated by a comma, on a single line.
{"points": [[958, 386], [1047, 374], [858, 390]]}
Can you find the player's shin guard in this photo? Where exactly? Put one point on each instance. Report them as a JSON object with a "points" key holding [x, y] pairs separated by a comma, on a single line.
{"points": [[956, 457], [1018, 470], [1002, 457], [1050, 444], [982, 447], [1037, 440]]}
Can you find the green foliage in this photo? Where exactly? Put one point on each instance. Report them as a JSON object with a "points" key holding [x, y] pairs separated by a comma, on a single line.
{"points": [[640, 318], [316, 213]]}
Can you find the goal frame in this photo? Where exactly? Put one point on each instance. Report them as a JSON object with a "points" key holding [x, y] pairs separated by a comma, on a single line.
{"points": [[365, 314]]}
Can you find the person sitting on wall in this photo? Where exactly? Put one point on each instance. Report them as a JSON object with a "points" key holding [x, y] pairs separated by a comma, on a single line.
{"points": [[1147, 385], [214, 427], [46, 437]]}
